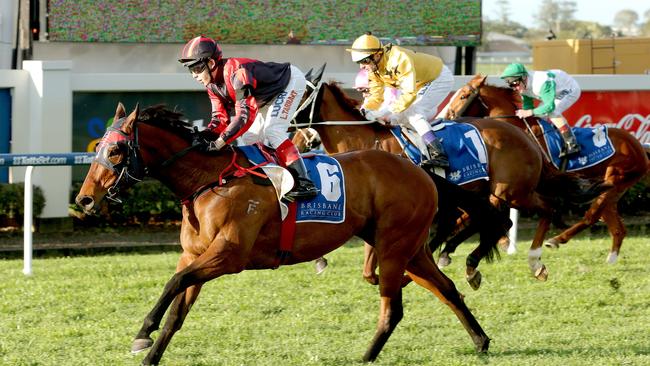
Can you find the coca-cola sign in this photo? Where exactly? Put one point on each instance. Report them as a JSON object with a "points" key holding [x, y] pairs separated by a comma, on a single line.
{"points": [[628, 110]]}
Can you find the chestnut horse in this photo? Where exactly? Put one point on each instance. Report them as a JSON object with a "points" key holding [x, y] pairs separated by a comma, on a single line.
{"points": [[234, 224], [518, 175], [625, 168]]}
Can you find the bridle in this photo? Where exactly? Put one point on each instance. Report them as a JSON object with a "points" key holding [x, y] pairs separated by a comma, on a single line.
{"points": [[131, 169], [475, 94]]}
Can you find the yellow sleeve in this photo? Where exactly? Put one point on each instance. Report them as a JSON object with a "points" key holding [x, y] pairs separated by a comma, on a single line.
{"points": [[376, 90], [406, 80]]}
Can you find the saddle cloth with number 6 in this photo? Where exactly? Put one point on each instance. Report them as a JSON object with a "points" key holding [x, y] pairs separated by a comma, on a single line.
{"points": [[324, 171]]}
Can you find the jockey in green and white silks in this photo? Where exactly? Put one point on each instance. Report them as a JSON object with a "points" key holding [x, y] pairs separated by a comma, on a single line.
{"points": [[556, 90]]}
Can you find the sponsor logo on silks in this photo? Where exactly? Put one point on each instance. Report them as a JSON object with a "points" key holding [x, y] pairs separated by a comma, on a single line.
{"points": [[277, 104], [288, 104]]}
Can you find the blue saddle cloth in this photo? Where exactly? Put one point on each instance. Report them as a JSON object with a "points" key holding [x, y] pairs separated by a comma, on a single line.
{"points": [[468, 159], [327, 175], [595, 146]]}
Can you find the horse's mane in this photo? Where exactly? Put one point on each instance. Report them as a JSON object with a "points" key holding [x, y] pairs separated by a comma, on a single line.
{"points": [[351, 105], [508, 93], [169, 120]]}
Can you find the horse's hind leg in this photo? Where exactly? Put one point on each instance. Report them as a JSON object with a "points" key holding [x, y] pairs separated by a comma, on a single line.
{"points": [[590, 217], [616, 230], [425, 273], [177, 313], [370, 264]]}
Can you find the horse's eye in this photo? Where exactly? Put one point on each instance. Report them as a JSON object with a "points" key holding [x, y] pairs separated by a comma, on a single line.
{"points": [[115, 155], [463, 97]]}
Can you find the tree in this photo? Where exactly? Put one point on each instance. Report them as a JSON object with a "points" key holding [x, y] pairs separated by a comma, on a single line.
{"points": [[504, 11], [626, 19], [556, 15]]}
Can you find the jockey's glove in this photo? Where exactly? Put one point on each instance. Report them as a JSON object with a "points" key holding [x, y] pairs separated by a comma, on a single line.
{"points": [[215, 145], [371, 115]]}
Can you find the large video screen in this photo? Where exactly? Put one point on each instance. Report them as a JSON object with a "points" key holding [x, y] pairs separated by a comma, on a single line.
{"points": [[440, 22]]}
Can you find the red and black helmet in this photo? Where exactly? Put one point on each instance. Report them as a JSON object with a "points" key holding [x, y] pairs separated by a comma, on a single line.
{"points": [[200, 49]]}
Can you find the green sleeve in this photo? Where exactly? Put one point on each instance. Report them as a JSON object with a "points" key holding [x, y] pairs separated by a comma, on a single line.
{"points": [[527, 102], [547, 95]]}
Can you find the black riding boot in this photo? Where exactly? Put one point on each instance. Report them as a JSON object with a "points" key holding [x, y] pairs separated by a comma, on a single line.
{"points": [[570, 142], [437, 155], [303, 187]]}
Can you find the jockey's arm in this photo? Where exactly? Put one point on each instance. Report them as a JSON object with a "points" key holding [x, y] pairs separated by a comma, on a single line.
{"points": [[547, 95], [407, 85], [219, 115], [376, 91], [245, 113]]}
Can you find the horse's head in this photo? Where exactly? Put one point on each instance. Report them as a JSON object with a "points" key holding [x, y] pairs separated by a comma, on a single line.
{"points": [[117, 165], [467, 100], [480, 99]]}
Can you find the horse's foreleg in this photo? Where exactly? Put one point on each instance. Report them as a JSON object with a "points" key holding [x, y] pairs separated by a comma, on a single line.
{"points": [[535, 253], [391, 310], [616, 230], [178, 311], [425, 273], [370, 264], [209, 265]]}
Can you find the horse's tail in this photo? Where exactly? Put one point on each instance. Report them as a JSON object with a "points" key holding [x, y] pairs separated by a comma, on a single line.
{"points": [[484, 218], [570, 186]]}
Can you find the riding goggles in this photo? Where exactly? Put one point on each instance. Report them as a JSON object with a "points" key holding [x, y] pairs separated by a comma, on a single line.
{"points": [[366, 61], [513, 83], [198, 67]]}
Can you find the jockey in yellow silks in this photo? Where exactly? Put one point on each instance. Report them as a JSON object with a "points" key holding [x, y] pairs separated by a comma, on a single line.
{"points": [[556, 90], [422, 80]]}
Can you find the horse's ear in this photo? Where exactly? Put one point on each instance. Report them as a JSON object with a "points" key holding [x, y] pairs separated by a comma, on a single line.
{"points": [[319, 74], [120, 111], [127, 126], [308, 74], [482, 78]]}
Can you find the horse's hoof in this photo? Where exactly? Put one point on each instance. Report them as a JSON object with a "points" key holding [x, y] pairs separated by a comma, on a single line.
{"points": [[612, 257], [320, 264], [482, 345], [474, 280], [141, 344], [552, 243], [444, 260], [541, 273]]}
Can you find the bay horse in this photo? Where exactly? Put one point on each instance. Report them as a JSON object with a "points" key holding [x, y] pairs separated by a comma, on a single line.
{"points": [[231, 225], [518, 175], [624, 169]]}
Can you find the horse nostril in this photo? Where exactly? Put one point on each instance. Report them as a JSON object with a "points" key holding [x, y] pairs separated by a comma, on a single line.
{"points": [[85, 202]]}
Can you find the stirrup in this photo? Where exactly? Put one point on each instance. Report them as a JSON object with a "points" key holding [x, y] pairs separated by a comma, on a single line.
{"points": [[569, 150], [303, 189], [439, 161]]}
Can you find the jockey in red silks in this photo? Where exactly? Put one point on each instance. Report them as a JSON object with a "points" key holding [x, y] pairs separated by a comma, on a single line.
{"points": [[238, 88]]}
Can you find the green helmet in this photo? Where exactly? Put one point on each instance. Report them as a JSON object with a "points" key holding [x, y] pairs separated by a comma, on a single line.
{"points": [[514, 71]]}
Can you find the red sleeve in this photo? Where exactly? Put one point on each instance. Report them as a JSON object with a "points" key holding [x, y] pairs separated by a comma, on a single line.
{"points": [[219, 120], [245, 113]]}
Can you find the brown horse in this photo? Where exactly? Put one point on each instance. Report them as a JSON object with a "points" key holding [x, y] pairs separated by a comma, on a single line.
{"points": [[625, 168], [519, 177], [234, 224]]}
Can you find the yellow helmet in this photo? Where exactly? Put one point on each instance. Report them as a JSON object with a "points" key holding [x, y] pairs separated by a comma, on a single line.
{"points": [[364, 46]]}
